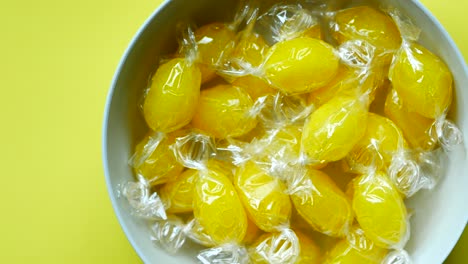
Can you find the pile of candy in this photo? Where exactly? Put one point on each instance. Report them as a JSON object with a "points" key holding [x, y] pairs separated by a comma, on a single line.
{"points": [[292, 135]]}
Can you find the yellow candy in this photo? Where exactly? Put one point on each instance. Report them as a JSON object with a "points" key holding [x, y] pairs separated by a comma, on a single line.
{"points": [[218, 209], [179, 193], [344, 253], [254, 86], [415, 127], [252, 234], [223, 111], [213, 41], [310, 252], [313, 32], [422, 80], [368, 24], [173, 96], [380, 210], [322, 204], [160, 165], [281, 145], [376, 149], [300, 65], [333, 129], [263, 197], [345, 83], [251, 49]]}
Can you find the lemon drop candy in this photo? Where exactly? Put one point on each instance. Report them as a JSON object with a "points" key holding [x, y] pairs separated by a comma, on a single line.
{"points": [[224, 111], [382, 140], [173, 95], [368, 24], [255, 86], [415, 128], [422, 80], [358, 250], [333, 129], [310, 252], [380, 210], [276, 247], [251, 48], [300, 65], [213, 41], [264, 197], [177, 195], [321, 203], [154, 160], [218, 209]]}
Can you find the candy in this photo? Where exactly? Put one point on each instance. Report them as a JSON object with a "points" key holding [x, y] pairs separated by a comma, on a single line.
{"points": [[422, 80], [310, 252], [368, 24], [251, 49], [264, 197], [300, 65], [322, 204], [415, 128], [172, 98], [350, 252], [277, 247], [254, 86], [178, 194], [376, 149], [154, 160], [224, 111], [380, 210], [333, 129], [218, 209], [213, 41]]}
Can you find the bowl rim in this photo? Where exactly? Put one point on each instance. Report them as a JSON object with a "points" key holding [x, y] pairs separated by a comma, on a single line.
{"points": [[110, 94], [110, 189]]}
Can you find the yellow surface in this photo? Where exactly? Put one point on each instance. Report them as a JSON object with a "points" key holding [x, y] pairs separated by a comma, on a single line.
{"points": [[57, 61]]}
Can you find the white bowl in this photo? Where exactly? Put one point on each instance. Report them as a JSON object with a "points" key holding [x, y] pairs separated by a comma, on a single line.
{"points": [[440, 215]]}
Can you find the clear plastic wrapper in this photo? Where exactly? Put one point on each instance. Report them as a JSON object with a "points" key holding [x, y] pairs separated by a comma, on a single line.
{"points": [[368, 24], [154, 160], [177, 195], [277, 247], [319, 201], [142, 201], [333, 129], [380, 210], [355, 248], [172, 97], [225, 111]]}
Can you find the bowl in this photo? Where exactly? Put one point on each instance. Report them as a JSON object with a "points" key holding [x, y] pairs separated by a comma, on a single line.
{"points": [[439, 216]]}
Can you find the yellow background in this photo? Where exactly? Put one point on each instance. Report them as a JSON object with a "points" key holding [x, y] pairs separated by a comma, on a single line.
{"points": [[57, 61]]}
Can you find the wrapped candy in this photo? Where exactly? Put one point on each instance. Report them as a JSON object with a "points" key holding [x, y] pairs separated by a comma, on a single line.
{"points": [[355, 248], [320, 202], [333, 129], [154, 160], [172, 97], [380, 210], [369, 24], [382, 140], [225, 111]]}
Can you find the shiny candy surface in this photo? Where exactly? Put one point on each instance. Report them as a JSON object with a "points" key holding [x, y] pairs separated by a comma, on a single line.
{"points": [[178, 194], [422, 80], [300, 65], [255, 86], [218, 209], [380, 210], [213, 40], [224, 111], [173, 96], [322, 204], [415, 128], [368, 24], [381, 141], [263, 197], [155, 161], [333, 129]]}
